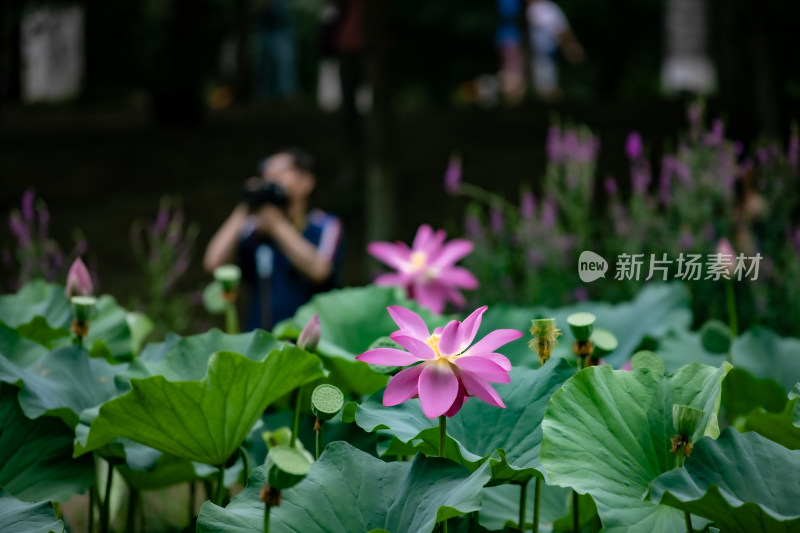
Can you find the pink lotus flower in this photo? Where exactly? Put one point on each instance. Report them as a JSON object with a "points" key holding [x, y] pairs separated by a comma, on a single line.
{"points": [[449, 369], [79, 282], [427, 270]]}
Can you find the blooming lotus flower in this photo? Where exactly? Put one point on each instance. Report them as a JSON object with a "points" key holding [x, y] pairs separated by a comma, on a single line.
{"points": [[447, 370], [427, 270], [79, 283]]}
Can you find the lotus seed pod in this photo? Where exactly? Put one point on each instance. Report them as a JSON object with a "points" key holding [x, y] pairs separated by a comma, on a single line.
{"points": [[286, 467], [716, 337], [545, 335], [83, 307], [581, 324], [686, 419], [604, 343], [228, 276], [326, 401], [384, 342]]}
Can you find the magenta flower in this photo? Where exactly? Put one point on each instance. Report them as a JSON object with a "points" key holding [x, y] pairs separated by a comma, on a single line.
{"points": [[633, 145], [79, 282], [309, 337], [452, 175], [449, 369], [427, 270]]}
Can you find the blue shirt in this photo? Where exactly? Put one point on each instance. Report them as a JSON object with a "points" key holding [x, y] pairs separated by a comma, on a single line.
{"points": [[278, 287]]}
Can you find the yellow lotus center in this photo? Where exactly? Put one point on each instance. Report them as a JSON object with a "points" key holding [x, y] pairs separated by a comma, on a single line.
{"points": [[418, 260], [433, 342]]}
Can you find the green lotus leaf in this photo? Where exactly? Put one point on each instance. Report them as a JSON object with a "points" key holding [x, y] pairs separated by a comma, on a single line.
{"points": [[36, 461], [777, 427], [349, 490], [37, 298], [795, 393], [742, 393], [18, 349], [501, 505], [607, 433], [20, 517], [743, 482], [760, 351], [509, 438], [186, 358], [61, 383], [204, 420], [350, 320], [655, 310]]}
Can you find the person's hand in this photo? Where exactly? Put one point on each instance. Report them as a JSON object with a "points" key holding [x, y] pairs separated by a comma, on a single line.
{"points": [[269, 217]]}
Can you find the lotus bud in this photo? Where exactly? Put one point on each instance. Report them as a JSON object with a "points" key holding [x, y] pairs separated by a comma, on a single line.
{"points": [[309, 337], [79, 282]]}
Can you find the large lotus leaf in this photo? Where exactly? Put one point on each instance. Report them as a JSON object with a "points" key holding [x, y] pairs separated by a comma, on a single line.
{"points": [[61, 383], [19, 349], [680, 347], [348, 490], [795, 393], [36, 461], [743, 482], [510, 437], [351, 319], [37, 298], [777, 427], [186, 358], [20, 517], [607, 433], [742, 393], [204, 420], [654, 311]]}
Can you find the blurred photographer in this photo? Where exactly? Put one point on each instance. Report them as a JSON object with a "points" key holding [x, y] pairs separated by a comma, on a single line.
{"points": [[287, 252]]}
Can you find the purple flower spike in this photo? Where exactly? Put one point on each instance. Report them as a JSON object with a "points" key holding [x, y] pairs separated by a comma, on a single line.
{"points": [[79, 283], [610, 185], [28, 212], [496, 220], [633, 145], [793, 152], [527, 206], [452, 175]]}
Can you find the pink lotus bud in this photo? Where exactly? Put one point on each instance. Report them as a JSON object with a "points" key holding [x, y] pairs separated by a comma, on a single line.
{"points": [[724, 247], [309, 337], [79, 283]]}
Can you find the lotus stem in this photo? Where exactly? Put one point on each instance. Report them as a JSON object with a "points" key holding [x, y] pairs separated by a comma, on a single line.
{"points": [[267, 508], [523, 490], [192, 496], [246, 464], [576, 526], [92, 496], [442, 434], [231, 319], [318, 427], [296, 416], [105, 514], [220, 485], [537, 498], [688, 518], [733, 319]]}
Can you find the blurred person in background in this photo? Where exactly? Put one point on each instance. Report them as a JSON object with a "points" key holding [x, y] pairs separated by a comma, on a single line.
{"points": [[508, 39], [287, 252], [549, 31]]}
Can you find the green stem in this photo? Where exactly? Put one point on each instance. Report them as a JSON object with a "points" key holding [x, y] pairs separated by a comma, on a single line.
{"points": [[267, 508], [733, 319], [688, 518], [231, 319], [92, 496], [57, 510], [486, 197], [130, 518], [319, 439], [192, 496], [246, 464], [220, 485], [576, 522], [523, 489], [77, 340], [537, 498], [105, 515], [298, 395], [442, 434]]}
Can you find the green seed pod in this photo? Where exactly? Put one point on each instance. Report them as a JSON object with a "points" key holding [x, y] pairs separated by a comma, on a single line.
{"points": [[686, 419], [581, 324], [716, 337], [647, 359], [545, 335], [286, 467], [326, 401], [604, 343], [228, 276], [83, 307]]}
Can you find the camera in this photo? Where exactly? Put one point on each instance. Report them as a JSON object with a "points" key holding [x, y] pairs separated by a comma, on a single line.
{"points": [[265, 193]]}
